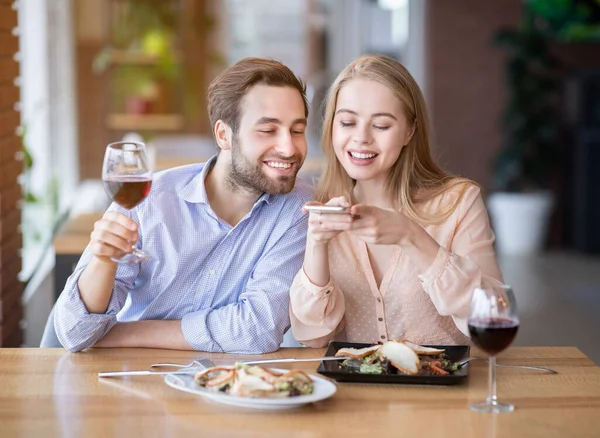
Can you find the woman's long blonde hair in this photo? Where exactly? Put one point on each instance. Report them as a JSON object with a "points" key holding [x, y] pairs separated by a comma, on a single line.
{"points": [[415, 177]]}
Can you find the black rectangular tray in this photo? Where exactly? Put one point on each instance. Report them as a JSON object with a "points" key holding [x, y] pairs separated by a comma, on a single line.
{"points": [[334, 369]]}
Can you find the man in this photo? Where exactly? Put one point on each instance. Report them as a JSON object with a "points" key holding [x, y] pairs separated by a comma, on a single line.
{"points": [[226, 236]]}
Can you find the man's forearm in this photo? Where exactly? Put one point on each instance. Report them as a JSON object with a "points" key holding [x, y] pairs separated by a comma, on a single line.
{"points": [[96, 284], [146, 334]]}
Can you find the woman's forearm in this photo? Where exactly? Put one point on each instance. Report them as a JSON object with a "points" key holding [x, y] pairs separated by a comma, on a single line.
{"points": [[316, 262]]}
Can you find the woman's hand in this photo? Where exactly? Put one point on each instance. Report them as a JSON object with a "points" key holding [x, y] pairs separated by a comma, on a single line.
{"points": [[390, 227], [380, 226], [113, 236], [322, 227]]}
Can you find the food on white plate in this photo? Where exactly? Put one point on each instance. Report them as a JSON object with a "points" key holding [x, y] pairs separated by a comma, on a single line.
{"points": [[254, 381], [406, 357]]}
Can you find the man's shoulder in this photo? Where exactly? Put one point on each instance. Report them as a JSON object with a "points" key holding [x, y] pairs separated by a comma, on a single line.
{"points": [[175, 178]]}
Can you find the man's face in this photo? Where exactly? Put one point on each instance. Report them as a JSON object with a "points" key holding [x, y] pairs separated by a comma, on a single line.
{"points": [[270, 145]]}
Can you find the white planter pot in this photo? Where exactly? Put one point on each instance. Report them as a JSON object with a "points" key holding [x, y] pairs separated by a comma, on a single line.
{"points": [[520, 221]]}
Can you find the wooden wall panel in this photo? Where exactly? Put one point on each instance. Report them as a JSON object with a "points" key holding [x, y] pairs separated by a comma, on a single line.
{"points": [[11, 288]]}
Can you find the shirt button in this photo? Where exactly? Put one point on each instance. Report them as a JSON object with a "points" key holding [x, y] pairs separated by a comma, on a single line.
{"points": [[328, 291], [379, 300], [380, 319], [382, 336], [211, 272]]}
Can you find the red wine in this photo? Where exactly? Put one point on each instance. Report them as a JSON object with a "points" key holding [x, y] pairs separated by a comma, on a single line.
{"points": [[493, 335], [128, 191]]}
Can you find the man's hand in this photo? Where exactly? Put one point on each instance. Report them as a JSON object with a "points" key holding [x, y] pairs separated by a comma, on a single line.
{"points": [[113, 236]]}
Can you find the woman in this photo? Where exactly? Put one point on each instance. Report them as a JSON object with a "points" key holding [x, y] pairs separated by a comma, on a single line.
{"points": [[402, 264]]}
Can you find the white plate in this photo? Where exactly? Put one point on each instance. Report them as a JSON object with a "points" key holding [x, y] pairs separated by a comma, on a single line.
{"points": [[323, 389]]}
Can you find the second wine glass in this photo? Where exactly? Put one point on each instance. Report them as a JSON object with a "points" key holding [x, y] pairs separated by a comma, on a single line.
{"points": [[127, 179], [493, 325]]}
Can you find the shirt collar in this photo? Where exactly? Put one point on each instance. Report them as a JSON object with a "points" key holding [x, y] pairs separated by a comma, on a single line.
{"points": [[266, 197], [195, 191]]}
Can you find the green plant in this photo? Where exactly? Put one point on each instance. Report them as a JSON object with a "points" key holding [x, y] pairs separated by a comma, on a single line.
{"points": [[47, 200], [40, 219], [28, 195], [137, 18], [530, 152], [567, 20]]}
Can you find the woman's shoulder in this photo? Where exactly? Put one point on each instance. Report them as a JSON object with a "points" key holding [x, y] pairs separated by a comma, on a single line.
{"points": [[455, 195], [451, 189], [462, 189]]}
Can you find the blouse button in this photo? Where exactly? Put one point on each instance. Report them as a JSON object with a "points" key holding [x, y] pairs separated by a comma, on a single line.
{"points": [[327, 292], [380, 319], [379, 300], [382, 336]]}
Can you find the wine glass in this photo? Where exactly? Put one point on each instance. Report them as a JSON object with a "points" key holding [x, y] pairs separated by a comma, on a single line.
{"points": [[493, 325], [127, 180]]}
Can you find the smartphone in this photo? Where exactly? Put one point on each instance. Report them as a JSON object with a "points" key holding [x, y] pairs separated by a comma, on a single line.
{"points": [[326, 208]]}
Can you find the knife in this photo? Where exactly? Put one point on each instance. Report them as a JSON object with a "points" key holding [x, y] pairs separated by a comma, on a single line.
{"points": [[312, 359], [194, 371]]}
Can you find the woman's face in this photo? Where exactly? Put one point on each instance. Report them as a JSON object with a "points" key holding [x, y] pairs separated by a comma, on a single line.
{"points": [[369, 129]]}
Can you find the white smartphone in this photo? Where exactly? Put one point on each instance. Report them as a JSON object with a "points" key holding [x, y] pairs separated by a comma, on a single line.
{"points": [[326, 208]]}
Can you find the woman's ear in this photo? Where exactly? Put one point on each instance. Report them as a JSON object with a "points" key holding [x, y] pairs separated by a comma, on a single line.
{"points": [[411, 133], [223, 135]]}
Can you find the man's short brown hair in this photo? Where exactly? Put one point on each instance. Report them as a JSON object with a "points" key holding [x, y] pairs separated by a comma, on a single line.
{"points": [[226, 91]]}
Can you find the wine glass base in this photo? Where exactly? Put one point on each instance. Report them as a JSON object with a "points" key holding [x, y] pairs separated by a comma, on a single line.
{"points": [[132, 257], [492, 408]]}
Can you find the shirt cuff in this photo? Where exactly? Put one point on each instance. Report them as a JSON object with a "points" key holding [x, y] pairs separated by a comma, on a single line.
{"points": [[74, 298], [197, 333], [436, 268], [77, 328], [320, 292]]}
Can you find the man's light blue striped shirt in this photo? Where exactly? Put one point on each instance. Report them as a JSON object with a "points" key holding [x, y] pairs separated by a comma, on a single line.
{"points": [[229, 286]]}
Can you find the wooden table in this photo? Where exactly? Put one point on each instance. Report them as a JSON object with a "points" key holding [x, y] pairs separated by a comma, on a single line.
{"points": [[49, 392]]}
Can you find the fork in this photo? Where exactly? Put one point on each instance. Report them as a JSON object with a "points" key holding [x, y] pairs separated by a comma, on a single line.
{"points": [[462, 362], [204, 363]]}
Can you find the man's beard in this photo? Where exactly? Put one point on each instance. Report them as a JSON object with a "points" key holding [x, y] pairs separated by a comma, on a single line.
{"points": [[247, 176]]}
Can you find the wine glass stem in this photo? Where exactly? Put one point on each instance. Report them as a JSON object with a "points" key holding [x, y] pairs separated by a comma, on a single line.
{"points": [[133, 247], [492, 399]]}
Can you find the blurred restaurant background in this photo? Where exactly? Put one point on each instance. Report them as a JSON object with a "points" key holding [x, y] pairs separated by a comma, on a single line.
{"points": [[513, 88]]}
